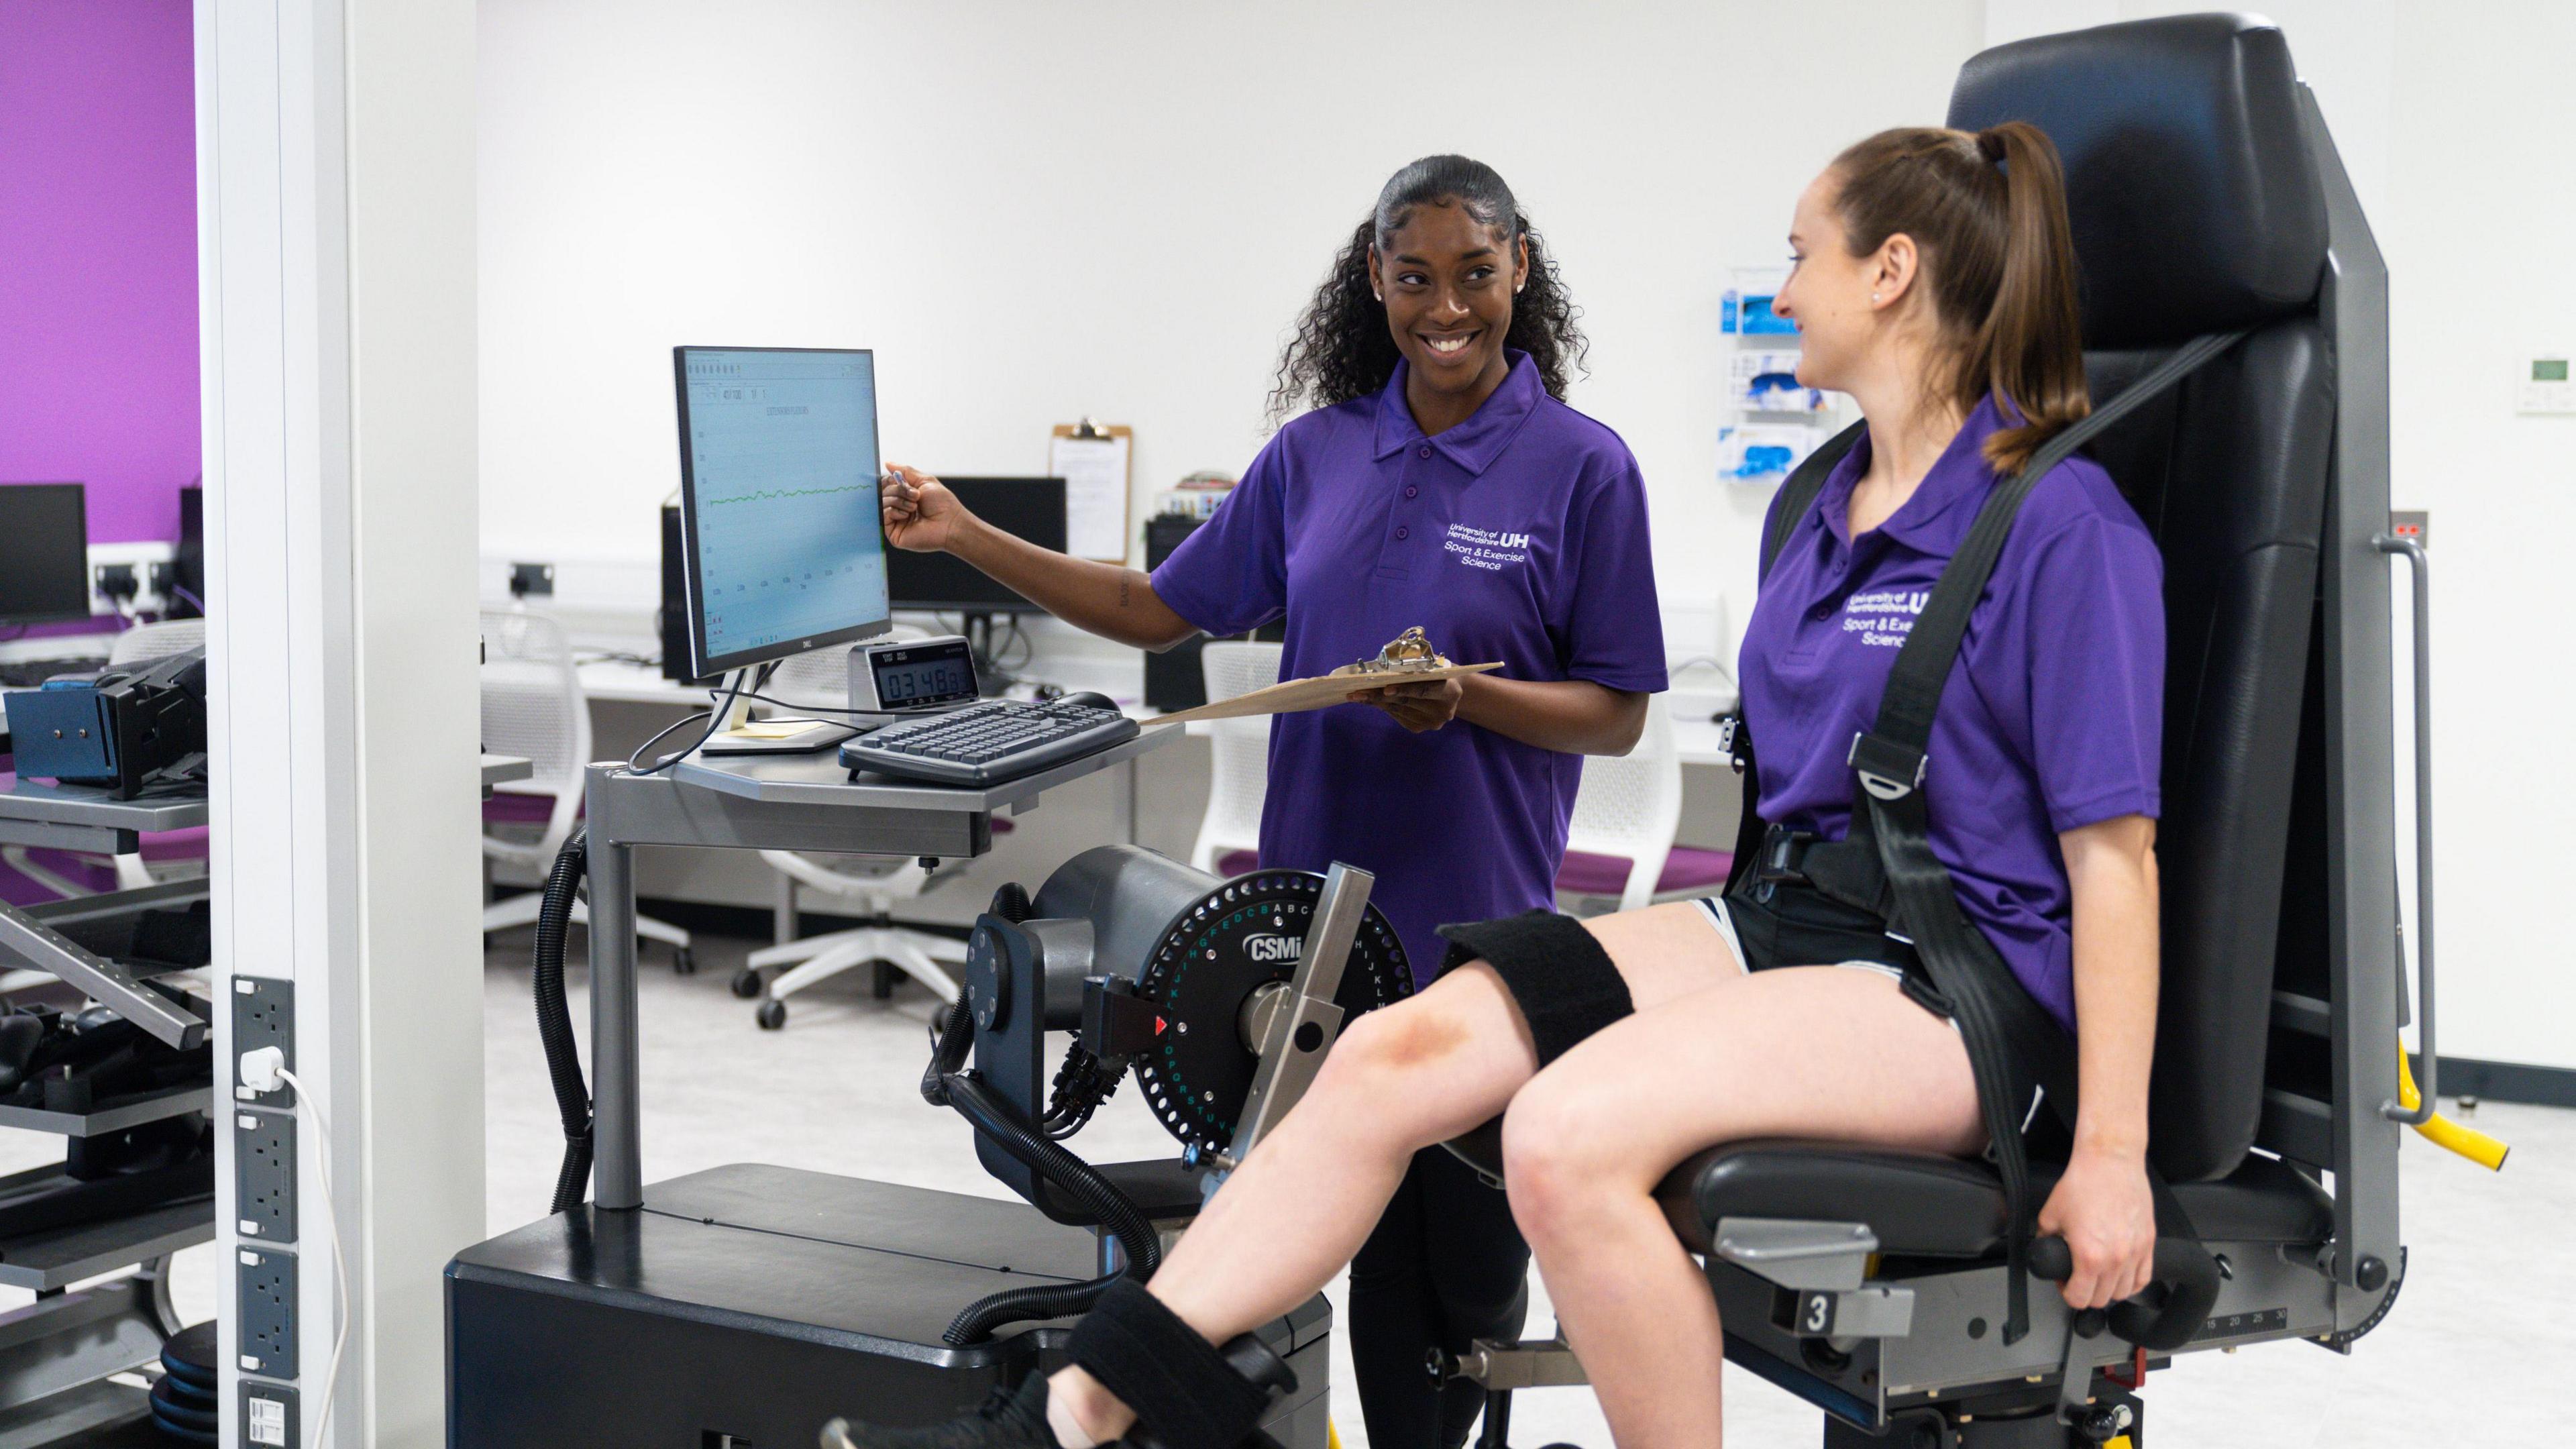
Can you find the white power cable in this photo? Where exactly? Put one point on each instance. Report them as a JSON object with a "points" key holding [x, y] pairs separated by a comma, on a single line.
{"points": [[263, 1071]]}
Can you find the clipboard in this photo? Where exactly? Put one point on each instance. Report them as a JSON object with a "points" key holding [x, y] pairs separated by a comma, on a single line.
{"points": [[1096, 464], [1322, 691]]}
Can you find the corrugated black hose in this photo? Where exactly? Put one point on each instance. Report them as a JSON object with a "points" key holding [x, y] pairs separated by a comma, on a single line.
{"points": [[945, 1084], [554, 1020]]}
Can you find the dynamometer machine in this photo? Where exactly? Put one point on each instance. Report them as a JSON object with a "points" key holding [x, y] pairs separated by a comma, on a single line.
{"points": [[746, 1305]]}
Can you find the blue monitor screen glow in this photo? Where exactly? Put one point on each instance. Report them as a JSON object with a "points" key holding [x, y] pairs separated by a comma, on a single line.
{"points": [[778, 495]]}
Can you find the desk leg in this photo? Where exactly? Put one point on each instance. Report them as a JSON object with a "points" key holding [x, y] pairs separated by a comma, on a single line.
{"points": [[617, 1173], [1125, 795]]}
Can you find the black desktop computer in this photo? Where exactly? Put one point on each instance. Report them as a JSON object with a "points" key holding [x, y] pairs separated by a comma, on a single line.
{"points": [[44, 553], [1173, 679], [938, 583]]}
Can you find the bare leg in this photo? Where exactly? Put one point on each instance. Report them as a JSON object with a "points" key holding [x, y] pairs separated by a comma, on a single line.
{"points": [[1399, 1080], [1815, 1051]]}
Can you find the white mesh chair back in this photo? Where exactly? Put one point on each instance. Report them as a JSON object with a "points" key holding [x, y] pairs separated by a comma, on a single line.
{"points": [[1630, 806], [533, 707], [146, 642], [1239, 774]]}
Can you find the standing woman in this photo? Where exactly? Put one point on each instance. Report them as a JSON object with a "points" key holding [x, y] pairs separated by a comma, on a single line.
{"points": [[1440, 481]]}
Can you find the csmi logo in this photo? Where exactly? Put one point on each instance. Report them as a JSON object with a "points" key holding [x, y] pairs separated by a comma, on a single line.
{"points": [[1273, 948]]}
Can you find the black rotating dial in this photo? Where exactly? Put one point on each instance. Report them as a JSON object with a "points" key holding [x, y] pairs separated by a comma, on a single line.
{"points": [[1204, 972]]}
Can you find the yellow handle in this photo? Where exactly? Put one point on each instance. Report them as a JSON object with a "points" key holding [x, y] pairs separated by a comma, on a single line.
{"points": [[1332, 1436], [2441, 1131]]}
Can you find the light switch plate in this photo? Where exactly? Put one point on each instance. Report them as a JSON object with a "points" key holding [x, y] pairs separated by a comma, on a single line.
{"points": [[2547, 387]]}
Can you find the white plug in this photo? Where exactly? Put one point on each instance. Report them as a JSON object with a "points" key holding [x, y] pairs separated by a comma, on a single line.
{"points": [[261, 1070]]}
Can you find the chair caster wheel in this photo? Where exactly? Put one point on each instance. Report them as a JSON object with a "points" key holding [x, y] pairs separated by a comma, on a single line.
{"points": [[773, 1015], [684, 962], [746, 983]]}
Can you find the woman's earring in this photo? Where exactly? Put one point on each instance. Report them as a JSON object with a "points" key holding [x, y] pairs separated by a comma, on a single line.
{"points": [[1873, 297]]}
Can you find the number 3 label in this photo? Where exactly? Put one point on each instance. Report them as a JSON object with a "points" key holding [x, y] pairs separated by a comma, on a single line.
{"points": [[1819, 1317]]}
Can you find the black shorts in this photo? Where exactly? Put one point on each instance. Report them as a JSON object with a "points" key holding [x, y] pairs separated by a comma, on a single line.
{"points": [[1568, 990]]}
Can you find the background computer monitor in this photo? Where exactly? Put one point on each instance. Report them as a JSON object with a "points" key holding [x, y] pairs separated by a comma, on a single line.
{"points": [[778, 501], [1030, 508], [44, 553]]}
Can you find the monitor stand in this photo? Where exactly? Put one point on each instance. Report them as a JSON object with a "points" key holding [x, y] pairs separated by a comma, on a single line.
{"points": [[990, 678], [740, 734]]}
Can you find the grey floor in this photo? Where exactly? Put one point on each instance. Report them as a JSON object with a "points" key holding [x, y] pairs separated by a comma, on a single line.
{"points": [[2490, 1301]]}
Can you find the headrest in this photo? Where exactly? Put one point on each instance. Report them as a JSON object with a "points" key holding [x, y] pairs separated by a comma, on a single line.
{"points": [[2196, 204]]}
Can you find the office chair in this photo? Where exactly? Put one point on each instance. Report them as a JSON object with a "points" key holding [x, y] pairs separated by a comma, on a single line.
{"points": [[2207, 197], [1238, 758], [533, 706], [820, 679], [1619, 845]]}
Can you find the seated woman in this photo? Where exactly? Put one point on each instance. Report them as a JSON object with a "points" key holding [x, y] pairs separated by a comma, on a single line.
{"points": [[1935, 283]]}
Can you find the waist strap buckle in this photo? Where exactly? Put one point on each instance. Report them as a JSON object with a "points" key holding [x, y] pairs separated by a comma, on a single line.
{"points": [[1888, 771]]}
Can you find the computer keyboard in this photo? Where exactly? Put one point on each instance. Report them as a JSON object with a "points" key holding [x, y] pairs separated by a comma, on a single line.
{"points": [[988, 743], [28, 673]]}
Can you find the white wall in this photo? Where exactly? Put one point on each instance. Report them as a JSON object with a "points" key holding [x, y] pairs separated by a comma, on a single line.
{"points": [[2481, 209], [1041, 211], [1037, 212]]}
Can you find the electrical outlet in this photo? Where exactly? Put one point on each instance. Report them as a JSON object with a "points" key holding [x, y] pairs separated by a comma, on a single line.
{"points": [[264, 1015], [264, 1175], [269, 1415], [136, 559], [266, 1312]]}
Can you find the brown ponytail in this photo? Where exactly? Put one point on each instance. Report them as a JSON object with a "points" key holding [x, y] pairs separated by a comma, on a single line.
{"points": [[1987, 210]]}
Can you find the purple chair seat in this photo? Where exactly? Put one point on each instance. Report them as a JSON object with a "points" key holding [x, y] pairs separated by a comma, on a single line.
{"points": [[189, 844], [1238, 862], [510, 807], [1688, 868]]}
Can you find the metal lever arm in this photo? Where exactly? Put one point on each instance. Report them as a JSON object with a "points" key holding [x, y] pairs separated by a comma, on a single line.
{"points": [[2413, 553], [1300, 1033], [114, 987]]}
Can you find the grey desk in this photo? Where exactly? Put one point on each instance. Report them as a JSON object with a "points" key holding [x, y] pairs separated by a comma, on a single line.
{"points": [[502, 769], [799, 803]]}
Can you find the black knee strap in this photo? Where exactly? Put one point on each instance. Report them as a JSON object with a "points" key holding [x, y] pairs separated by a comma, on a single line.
{"points": [[1186, 1393], [1564, 983]]}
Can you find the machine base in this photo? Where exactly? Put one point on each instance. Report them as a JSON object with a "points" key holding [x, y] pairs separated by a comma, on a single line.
{"points": [[742, 1307]]}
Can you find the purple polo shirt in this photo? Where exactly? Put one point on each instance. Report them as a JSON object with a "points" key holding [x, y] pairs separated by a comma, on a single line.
{"points": [[2053, 717], [1519, 535]]}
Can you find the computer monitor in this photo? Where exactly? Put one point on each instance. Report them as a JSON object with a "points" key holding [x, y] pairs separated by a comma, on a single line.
{"points": [[1030, 508], [778, 501], [44, 553]]}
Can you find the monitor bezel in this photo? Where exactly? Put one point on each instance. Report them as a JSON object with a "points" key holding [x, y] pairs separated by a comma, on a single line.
{"points": [[82, 612], [702, 664]]}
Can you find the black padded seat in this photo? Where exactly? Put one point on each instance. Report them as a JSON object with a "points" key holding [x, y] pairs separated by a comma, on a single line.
{"points": [[1922, 1204]]}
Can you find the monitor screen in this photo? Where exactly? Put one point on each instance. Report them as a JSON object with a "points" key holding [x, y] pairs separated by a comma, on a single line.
{"points": [[44, 553], [778, 498], [1030, 508]]}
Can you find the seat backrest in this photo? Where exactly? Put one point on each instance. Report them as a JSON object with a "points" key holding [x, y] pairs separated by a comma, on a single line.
{"points": [[1239, 750], [1630, 805], [145, 642], [533, 704], [2197, 207]]}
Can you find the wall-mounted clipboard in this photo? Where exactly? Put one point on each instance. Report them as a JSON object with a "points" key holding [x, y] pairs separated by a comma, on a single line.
{"points": [[1096, 463]]}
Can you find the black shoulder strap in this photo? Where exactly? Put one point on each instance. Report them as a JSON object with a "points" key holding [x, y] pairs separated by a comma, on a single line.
{"points": [[1798, 494], [2013, 1044]]}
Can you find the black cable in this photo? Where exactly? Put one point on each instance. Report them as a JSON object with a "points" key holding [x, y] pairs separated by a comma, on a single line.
{"points": [[714, 716], [554, 1020], [1113, 1209]]}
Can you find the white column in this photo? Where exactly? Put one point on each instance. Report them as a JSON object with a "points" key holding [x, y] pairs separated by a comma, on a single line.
{"points": [[336, 217]]}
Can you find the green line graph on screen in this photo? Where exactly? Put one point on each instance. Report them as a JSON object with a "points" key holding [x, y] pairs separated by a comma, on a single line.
{"points": [[783, 470]]}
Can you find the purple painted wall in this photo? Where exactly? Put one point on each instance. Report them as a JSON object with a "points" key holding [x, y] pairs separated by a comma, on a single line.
{"points": [[98, 256]]}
